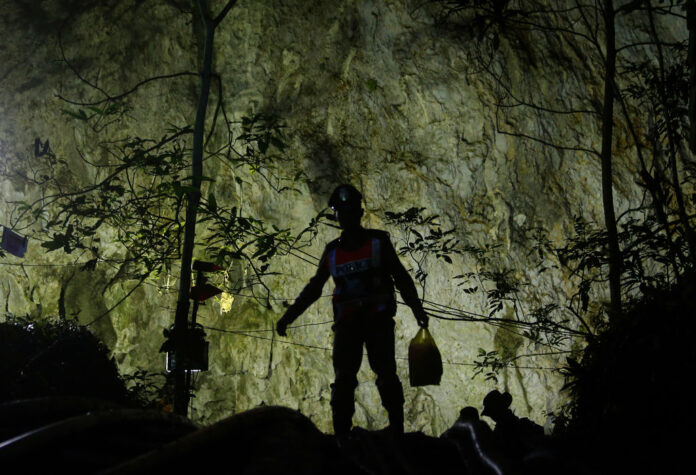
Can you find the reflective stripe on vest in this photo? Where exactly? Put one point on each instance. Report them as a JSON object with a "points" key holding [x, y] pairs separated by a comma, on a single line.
{"points": [[358, 265], [357, 290]]}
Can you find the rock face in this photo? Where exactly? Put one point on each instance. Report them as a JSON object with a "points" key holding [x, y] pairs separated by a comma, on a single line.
{"points": [[372, 93]]}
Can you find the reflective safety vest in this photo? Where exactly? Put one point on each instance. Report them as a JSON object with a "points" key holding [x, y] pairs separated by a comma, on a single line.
{"points": [[362, 282]]}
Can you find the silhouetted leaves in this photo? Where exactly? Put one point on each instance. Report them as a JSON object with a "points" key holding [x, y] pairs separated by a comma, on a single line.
{"points": [[490, 363], [423, 238]]}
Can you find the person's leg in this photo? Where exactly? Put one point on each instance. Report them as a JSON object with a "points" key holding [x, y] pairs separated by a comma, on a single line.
{"points": [[379, 339], [347, 356]]}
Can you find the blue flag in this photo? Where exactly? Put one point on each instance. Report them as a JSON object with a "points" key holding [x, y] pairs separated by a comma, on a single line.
{"points": [[13, 242]]}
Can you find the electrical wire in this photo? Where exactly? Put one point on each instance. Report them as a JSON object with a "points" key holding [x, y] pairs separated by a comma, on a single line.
{"points": [[22, 264], [434, 309], [458, 314], [442, 312], [303, 345]]}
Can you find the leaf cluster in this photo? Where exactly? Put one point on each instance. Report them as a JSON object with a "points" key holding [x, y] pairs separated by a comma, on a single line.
{"points": [[55, 358], [489, 363], [137, 201], [261, 149], [423, 238]]}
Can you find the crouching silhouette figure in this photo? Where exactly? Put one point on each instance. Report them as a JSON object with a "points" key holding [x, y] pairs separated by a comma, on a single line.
{"points": [[520, 439], [365, 268]]}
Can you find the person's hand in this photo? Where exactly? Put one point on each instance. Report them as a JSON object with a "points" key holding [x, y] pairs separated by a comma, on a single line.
{"points": [[421, 318], [282, 326]]}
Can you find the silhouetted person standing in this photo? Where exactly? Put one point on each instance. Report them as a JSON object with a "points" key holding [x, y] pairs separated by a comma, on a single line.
{"points": [[365, 268]]}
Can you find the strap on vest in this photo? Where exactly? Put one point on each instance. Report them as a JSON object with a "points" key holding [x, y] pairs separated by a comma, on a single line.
{"points": [[332, 262], [376, 251]]}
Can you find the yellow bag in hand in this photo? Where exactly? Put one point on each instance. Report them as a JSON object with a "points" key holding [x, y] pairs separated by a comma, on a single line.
{"points": [[424, 361]]}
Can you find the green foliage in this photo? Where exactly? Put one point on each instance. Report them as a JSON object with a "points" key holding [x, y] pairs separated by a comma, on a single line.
{"points": [[629, 381], [98, 118], [481, 17], [489, 363], [647, 82], [152, 390], [61, 358], [236, 237], [41, 359], [650, 260], [137, 198], [260, 148], [656, 235], [424, 238], [425, 243], [548, 324]]}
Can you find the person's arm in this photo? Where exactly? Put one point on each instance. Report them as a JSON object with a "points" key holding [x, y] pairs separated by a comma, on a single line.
{"points": [[307, 297], [404, 283]]}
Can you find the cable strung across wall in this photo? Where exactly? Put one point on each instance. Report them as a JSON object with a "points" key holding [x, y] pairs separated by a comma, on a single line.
{"points": [[434, 309], [314, 347]]}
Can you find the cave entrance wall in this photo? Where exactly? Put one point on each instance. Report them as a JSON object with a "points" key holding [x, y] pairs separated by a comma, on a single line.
{"points": [[373, 94]]}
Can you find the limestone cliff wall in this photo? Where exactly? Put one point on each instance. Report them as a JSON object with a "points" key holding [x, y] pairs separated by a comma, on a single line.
{"points": [[372, 93]]}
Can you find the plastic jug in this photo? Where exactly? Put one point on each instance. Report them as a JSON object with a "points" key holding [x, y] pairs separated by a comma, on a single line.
{"points": [[424, 360]]}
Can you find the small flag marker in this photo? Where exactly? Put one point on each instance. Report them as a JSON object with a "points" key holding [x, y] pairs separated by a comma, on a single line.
{"points": [[14, 243]]}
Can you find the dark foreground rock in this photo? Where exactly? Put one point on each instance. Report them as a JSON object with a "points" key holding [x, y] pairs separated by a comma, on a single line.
{"points": [[58, 435]]}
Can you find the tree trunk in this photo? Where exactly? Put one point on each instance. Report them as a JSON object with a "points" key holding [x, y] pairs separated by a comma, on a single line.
{"points": [[673, 143], [691, 23], [181, 390], [606, 156]]}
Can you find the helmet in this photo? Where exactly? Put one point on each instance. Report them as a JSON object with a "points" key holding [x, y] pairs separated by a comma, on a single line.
{"points": [[495, 402], [345, 197]]}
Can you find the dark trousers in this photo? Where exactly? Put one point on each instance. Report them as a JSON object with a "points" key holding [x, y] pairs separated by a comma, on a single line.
{"points": [[376, 332]]}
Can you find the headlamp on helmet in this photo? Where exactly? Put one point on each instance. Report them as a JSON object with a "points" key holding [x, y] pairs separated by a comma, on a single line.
{"points": [[345, 197]]}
